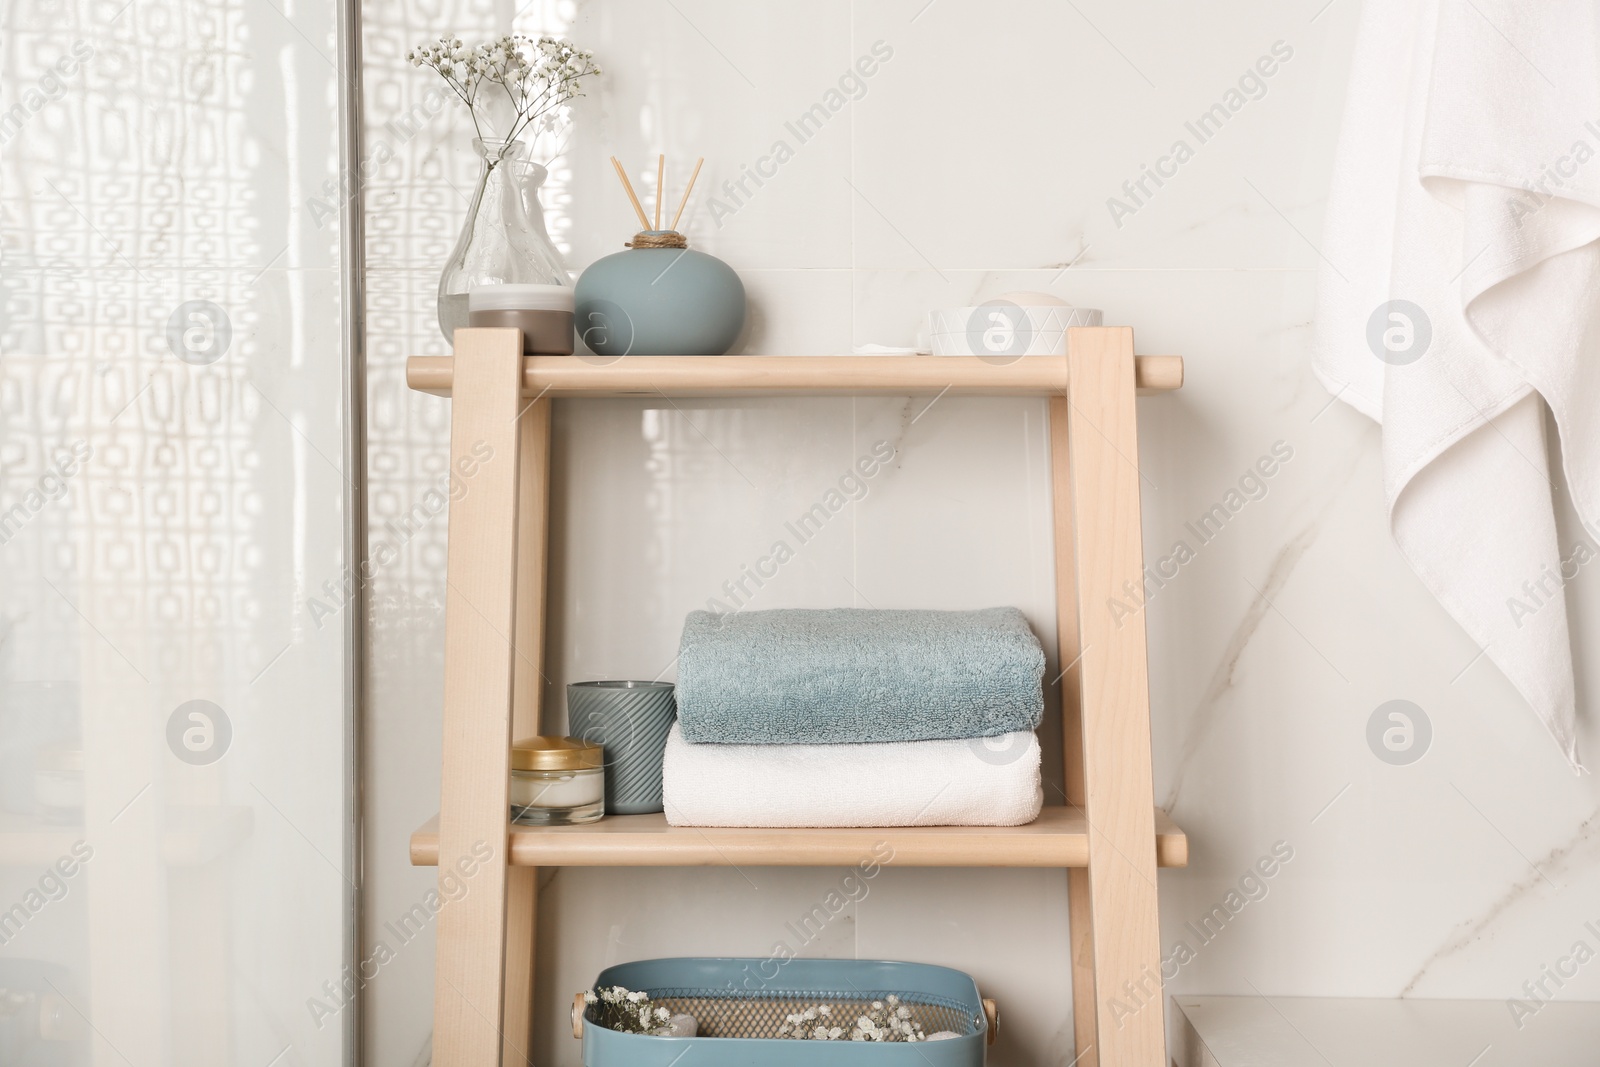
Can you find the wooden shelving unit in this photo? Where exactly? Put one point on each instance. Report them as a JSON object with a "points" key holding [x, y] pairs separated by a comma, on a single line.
{"points": [[1110, 837]]}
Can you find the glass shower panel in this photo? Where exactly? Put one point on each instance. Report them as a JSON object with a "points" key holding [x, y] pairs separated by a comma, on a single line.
{"points": [[175, 876]]}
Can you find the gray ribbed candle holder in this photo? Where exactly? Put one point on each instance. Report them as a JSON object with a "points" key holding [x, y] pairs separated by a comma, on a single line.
{"points": [[630, 721]]}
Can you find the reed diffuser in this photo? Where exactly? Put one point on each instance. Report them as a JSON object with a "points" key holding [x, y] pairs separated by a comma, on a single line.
{"points": [[659, 297]]}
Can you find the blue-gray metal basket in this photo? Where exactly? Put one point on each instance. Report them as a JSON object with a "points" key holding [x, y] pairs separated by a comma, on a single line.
{"points": [[740, 1003]]}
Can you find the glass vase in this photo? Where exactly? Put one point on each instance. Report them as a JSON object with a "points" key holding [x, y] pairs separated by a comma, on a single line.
{"points": [[504, 239]]}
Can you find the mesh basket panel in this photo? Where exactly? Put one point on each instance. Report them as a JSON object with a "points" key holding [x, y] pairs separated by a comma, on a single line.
{"points": [[730, 1014]]}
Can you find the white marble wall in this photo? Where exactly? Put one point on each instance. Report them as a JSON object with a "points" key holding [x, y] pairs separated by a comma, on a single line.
{"points": [[979, 159]]}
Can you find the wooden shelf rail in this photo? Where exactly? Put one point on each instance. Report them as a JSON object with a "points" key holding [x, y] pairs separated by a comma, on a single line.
{"points": [[681, 376]]}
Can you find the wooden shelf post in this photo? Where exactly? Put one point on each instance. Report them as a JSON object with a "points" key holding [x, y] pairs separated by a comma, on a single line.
{"points": [[479, 663], [1116, 935], [527, 691], [1086, 1047]]}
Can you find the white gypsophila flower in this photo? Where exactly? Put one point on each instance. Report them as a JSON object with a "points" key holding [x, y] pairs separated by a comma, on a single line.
{"points": [[511, 83], [630, 1010], [886, 1020]]}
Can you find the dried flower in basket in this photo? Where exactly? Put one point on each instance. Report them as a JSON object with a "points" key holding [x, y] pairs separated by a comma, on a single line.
{"points": [[884, 1020], [630, 1011]]}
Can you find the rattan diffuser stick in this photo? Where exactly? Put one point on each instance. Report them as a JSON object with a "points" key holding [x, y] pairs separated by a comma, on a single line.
{"points": [[685, 201], [661, 185], [644, 221], [661, 189]]}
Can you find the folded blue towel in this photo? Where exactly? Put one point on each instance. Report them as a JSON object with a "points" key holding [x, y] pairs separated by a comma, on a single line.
{"points": [[843, 675]]}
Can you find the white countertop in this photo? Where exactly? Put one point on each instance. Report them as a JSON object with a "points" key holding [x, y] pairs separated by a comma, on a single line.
{"points": [[1348, 1032]]}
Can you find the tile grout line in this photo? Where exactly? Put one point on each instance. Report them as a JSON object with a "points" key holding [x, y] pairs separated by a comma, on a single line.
{"points": [[851, 163]]}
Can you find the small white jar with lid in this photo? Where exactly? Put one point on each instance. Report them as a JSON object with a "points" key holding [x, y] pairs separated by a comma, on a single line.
{"points": [[557, 781]]}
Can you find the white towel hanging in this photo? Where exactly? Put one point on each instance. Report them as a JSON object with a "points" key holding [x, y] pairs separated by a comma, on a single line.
{"points": [[1459, 297]]}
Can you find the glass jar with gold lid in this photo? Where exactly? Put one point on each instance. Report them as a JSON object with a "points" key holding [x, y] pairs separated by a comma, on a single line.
{"points": [[557, 781]]}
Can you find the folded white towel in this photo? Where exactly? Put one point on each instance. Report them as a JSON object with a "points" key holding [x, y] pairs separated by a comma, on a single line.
{"points": [[988, 781]]}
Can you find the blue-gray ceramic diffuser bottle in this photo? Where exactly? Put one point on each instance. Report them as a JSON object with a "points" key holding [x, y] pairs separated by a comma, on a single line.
{"points": [[659, 298]]}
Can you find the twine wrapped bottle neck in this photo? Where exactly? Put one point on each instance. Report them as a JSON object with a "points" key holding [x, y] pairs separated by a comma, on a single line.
{"points": [[658, 239]]}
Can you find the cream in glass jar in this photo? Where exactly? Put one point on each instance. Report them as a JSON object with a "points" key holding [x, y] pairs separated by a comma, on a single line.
{"points": [[557, 781]]}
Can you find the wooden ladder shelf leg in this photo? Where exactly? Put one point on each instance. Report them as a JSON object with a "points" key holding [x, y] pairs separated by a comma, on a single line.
{"points": [[527, 691], [1116, 947], [470, 1020], [1086, 1046]]}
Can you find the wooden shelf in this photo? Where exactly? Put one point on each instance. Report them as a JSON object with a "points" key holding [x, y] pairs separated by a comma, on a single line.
{"points": [[682, 376], [1056, 839]]}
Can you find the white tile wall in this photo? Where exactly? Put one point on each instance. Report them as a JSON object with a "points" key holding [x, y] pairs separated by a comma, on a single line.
{"points": [[978, 159]]}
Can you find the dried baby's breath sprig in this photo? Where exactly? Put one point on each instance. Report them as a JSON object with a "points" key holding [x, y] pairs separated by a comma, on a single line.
{"points": [[536, 75], [884, 1020], [630, 1011]]}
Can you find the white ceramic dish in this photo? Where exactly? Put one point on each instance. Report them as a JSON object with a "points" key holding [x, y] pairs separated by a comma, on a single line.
{"points": [[1001, 329]]}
